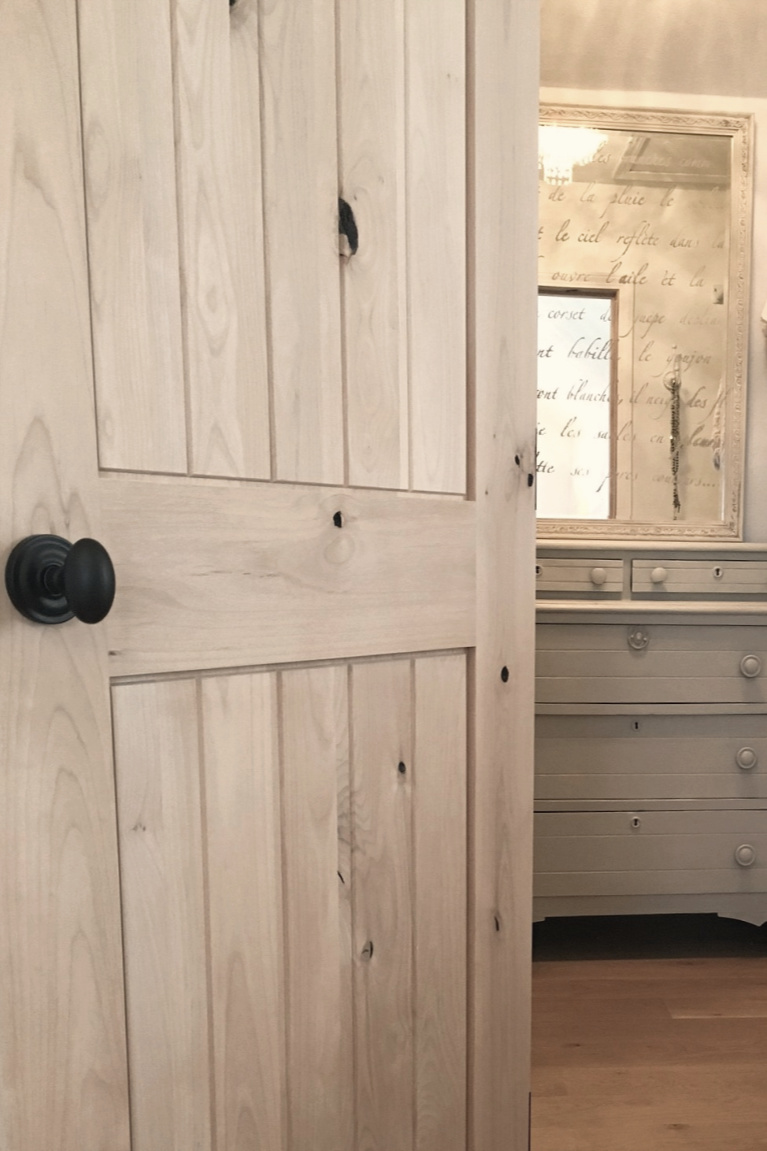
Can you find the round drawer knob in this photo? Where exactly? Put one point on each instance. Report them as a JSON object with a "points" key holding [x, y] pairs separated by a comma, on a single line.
{"points": [[750, 666], [598, 576], [658, 575], [538, 571], [746, 758], [745, 855]]}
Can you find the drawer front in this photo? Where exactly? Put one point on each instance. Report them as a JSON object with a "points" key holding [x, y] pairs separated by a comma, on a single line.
{"points": [[595, 577], [650, 663], [650, 853], [626, 757], [709, 578]]}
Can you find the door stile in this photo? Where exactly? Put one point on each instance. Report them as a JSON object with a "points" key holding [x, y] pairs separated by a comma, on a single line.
{"points": [[503, 101]]}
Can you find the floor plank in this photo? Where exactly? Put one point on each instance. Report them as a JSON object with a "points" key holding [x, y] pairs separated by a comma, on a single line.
{"points": [[667, 1051]]}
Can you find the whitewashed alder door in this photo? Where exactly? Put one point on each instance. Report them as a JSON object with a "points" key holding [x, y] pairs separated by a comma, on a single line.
{"points": [[265, 832]]}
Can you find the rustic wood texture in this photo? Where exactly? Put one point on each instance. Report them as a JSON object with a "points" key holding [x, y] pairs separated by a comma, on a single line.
{"points": [[503, 96], [247, 990], [267, 833], [314, 714], [440, 903], [435, 55], [258, 574], [222, 246], [373, 128], [166, 956], [661, 1053], [403, 143], [129, 166], [63, 1077], [238, 716], [382, 813], [300, 166]]}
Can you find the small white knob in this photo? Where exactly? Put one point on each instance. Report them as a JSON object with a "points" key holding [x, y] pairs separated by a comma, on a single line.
{"points": [[750, 666], [658, 575], [745, 855], [598, 576], [746, 758]]}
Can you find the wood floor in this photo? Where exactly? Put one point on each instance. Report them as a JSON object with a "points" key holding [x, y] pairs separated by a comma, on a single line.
{"points": [[661, 1049]]}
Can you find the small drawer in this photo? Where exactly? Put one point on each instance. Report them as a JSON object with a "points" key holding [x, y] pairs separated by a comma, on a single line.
{"points": [[650, 852], [709, 578], [578, 576], [650, 663], [637, 757]]}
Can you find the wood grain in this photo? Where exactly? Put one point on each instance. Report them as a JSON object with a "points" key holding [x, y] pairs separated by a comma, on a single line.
{"points": [[227, 577], [617, 1063], [301, 228], [165, 935], [440, 902], [219, 164], [382, 807], [315, 753], [129, 163], [63, 1076], [436, 239], [503, 96], [243, 851], [372, 118]]}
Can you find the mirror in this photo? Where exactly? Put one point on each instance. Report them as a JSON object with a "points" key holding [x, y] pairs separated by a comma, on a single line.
{"points": [[644, 232]]}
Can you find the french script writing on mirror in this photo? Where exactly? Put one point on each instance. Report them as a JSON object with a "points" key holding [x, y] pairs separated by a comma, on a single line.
{"points": [[576, 444], [659, 216]]}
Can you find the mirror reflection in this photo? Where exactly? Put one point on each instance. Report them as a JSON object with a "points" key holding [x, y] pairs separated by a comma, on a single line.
{"points": [[642, 250]]}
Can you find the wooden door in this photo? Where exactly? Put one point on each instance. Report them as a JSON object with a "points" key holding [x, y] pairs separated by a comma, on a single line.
{"points": [[265, 853]]}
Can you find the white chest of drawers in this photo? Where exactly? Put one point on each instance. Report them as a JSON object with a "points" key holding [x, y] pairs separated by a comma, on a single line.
{"points": [[651, 737]]}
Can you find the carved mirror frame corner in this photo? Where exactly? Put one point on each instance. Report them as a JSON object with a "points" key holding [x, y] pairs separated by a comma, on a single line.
{"points": [[740, 129]]}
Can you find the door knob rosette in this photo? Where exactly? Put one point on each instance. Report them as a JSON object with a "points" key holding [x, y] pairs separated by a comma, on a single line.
{"points": [[50, 580]]}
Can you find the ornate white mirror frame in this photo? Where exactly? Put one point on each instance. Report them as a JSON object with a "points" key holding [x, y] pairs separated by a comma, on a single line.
{"points": [[635, 252]]}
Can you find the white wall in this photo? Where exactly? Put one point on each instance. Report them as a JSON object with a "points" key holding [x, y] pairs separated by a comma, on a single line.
{"points": [[656, 48]]}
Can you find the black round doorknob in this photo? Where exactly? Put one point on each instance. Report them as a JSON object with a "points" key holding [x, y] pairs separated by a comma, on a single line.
{"points": [[50, 580]]}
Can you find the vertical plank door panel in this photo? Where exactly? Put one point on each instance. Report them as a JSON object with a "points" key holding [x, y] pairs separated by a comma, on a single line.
{"points": [[158, 791], [301, 226], [372, 137], [382, 804], [440, 866], [63, 1079], [242, 820], [503, 264], [436, 241], [127, 108], [315, 740], [219, 166]]}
